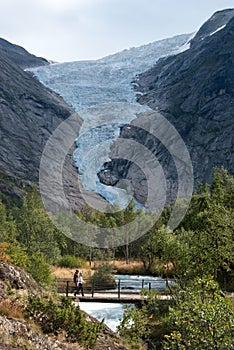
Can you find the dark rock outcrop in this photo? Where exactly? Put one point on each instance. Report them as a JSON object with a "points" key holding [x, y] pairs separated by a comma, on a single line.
{"points": [[20, 56], [129, 176], [194, 90]]}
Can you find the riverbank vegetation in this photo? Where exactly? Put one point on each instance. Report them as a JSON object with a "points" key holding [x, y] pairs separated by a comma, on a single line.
{"points": [[202, 245], [32, 318], [197, 316]]}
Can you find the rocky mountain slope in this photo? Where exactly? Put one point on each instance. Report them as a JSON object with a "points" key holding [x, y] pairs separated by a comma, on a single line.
{"points": [[19, 55], [29, 113], [194, 90]]}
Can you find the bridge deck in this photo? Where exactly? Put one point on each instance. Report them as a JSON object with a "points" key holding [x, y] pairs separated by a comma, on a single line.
{"points": [[114, 298]]}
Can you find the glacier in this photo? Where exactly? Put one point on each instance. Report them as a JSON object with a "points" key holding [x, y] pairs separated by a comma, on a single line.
{"points": [[101, 91]]}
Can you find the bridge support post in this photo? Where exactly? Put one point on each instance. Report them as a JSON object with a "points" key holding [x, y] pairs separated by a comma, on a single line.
{"points": [[119, 289], [149, 286], [67, 288], [92, 288]]}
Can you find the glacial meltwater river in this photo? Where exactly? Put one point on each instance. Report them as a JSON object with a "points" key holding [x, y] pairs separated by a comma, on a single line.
{"points": [[112, 313]]}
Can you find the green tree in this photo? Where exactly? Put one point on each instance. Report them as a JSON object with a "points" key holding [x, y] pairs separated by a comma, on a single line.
{"points": [[40, 269], [8, 231], [135, 326], [36, 230], [207, 230], [18, 255], [153, 247], [145, 325], [202, 318]]}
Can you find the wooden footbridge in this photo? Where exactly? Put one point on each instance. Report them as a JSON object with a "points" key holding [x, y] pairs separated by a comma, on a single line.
{"points": [[124, 291]]}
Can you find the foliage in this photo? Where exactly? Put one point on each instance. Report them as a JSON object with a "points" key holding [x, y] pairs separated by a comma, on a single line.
{"points": [[3, 252], [207, 230], [64, 316], [18, 255], [134, 326], [144, 325], [203, 244], [153, 247], [40, 269], [103, 277], [36, 231], [69, 261], [8, 229], [202, 318]]}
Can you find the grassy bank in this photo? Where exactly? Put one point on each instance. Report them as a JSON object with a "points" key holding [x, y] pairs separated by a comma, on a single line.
{"points": [[119, 267]]}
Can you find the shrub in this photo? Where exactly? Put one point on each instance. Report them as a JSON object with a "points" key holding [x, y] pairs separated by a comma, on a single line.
{"points": [[40, 269], [69, 261], [202, 318], [72, 262], [3, 252], [63, 316], [134, 327], [103, 277], [81, 263], [18, 255]]}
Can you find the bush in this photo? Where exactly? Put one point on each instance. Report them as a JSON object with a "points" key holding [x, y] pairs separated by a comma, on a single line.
{"points": [[18, 255], [69, 261], [134, 327], [81, 263], [202, 318], [103, 277], [72, 262], [64, 316], [40, 269], [3, 252]]}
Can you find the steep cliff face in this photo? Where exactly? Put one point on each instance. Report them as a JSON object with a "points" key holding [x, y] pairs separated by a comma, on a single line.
{"points": [[19, 55], [194, 90], [29, 113]]}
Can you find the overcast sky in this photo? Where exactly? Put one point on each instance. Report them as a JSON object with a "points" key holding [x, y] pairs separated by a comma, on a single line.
{"points": [[68, 30]]}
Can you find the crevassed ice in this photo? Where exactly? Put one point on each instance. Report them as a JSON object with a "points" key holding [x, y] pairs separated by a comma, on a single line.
{"points": [[84, 84], [100, 128]]}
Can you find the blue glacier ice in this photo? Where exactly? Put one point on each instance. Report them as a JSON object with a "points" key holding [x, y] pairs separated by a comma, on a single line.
{"points": [[99, 90]]}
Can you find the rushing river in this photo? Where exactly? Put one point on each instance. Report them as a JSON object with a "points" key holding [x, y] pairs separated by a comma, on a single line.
{"points": [[113, 312]]}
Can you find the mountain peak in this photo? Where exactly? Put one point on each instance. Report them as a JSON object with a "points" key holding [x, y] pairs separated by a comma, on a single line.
{"points": [[20, 56], [215, 23]]}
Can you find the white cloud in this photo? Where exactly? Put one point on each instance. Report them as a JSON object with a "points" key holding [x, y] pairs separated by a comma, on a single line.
{"points": [[77, 29]]}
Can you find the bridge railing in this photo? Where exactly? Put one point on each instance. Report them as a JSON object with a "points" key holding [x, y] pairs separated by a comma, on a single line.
{"points": [[121, 286]]}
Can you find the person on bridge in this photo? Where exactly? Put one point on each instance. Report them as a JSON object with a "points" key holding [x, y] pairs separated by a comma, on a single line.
{"points": [[79, 285], [75, 280]]}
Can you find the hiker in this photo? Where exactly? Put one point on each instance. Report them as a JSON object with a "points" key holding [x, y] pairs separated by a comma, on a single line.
{"points": [[75, 280], [80, 285]]}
